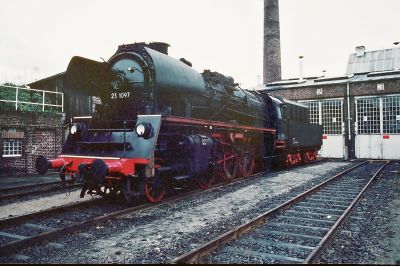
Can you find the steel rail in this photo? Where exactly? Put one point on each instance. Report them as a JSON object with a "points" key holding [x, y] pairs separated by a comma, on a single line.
{"points": [[46, 236], [51, 210], [29, 186], [53, 186], [195, 254], [44, 213], [330, 235]]}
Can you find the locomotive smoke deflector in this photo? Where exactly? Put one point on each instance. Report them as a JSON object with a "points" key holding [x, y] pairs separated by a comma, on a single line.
{"points": [[86, 77]]}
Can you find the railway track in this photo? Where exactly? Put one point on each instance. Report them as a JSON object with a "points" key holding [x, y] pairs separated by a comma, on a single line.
{"points": [[23, 231], [17, 232], [37, 189], [33, 189], [297, 231]]}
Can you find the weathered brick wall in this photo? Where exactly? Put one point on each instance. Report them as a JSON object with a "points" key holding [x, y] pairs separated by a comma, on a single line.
{"points": [[312, 92], [327, 91], [43, 136]]}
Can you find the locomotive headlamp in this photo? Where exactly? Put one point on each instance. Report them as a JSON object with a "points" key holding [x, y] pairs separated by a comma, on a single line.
{"points": [[143, 130], [76, 128]]}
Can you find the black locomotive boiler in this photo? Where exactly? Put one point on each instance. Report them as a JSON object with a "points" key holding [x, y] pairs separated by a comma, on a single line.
{"points": [[160, 122]]}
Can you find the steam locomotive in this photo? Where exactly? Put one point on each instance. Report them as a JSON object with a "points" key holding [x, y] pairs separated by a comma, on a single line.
{"points": [[160, 122]]}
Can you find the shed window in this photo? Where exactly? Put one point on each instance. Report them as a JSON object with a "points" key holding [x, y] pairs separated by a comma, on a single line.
{"points": [[391, 115], [328, 113], [332, 116], [368, 121], [313, 108]]}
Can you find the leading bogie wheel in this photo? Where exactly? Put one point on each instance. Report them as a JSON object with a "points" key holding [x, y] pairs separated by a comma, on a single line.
{"points": [[154, 188], [109, 192]]}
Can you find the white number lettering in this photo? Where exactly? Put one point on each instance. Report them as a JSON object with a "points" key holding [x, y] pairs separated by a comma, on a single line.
{"points": [[120, 95], [124, 94]]}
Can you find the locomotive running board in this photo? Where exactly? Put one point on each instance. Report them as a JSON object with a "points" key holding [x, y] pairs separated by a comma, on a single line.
{"points": [[208, 123]]}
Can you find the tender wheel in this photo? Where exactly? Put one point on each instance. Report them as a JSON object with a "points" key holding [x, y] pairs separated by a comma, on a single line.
{"points": [[306, 157], [154, 188], [298, 158], [315, 155], [290, 160]]}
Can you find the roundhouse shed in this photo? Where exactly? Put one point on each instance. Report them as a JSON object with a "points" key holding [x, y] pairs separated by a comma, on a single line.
{"points": [[360, 111]]}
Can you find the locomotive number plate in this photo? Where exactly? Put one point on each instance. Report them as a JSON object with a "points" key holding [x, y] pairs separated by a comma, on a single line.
{"points": [[120, 95]]}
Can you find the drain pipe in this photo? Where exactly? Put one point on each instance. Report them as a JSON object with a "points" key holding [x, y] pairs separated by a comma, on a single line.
{"points": [[347, 153]]}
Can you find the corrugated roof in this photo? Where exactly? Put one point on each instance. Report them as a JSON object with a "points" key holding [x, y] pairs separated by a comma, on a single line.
{"points": [[374, 61]]}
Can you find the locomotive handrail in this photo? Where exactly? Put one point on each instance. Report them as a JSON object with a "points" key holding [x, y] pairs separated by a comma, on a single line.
{"points": [[201, 122], [111, 129], [43, 92]]}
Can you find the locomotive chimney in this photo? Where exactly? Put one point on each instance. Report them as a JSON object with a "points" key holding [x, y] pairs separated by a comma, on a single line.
{"points": [[272, 46], [360, 50], [301, 68], [162, 47]]}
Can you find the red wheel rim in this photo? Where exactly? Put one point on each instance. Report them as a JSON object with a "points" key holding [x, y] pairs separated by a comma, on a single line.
{"points": [[247, 168], [315, 155], [230, 166], [288, 160], [292, 159], [306, 157], [154, 190]]}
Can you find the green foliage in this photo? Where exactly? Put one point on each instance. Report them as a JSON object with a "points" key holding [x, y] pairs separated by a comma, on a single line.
{"points": [[8, 92]]}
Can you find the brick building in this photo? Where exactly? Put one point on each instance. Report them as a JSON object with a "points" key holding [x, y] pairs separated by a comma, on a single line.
{"points": [[38, 124], [25, 135], [360, 111]]}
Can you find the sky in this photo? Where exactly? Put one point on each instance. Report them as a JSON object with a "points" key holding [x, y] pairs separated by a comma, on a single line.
{"points": [[38, 38]]}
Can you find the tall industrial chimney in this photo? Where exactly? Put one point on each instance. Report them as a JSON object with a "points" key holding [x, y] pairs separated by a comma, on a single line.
{"points": [[272, 42]]}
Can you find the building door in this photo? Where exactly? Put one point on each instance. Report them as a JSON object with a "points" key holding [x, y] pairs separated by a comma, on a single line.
{"points": [[329, 114], [378, 127]]}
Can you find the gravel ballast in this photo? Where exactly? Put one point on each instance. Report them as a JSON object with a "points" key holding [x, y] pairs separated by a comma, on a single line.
{"points": [[372, 234], [159, 234]]}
